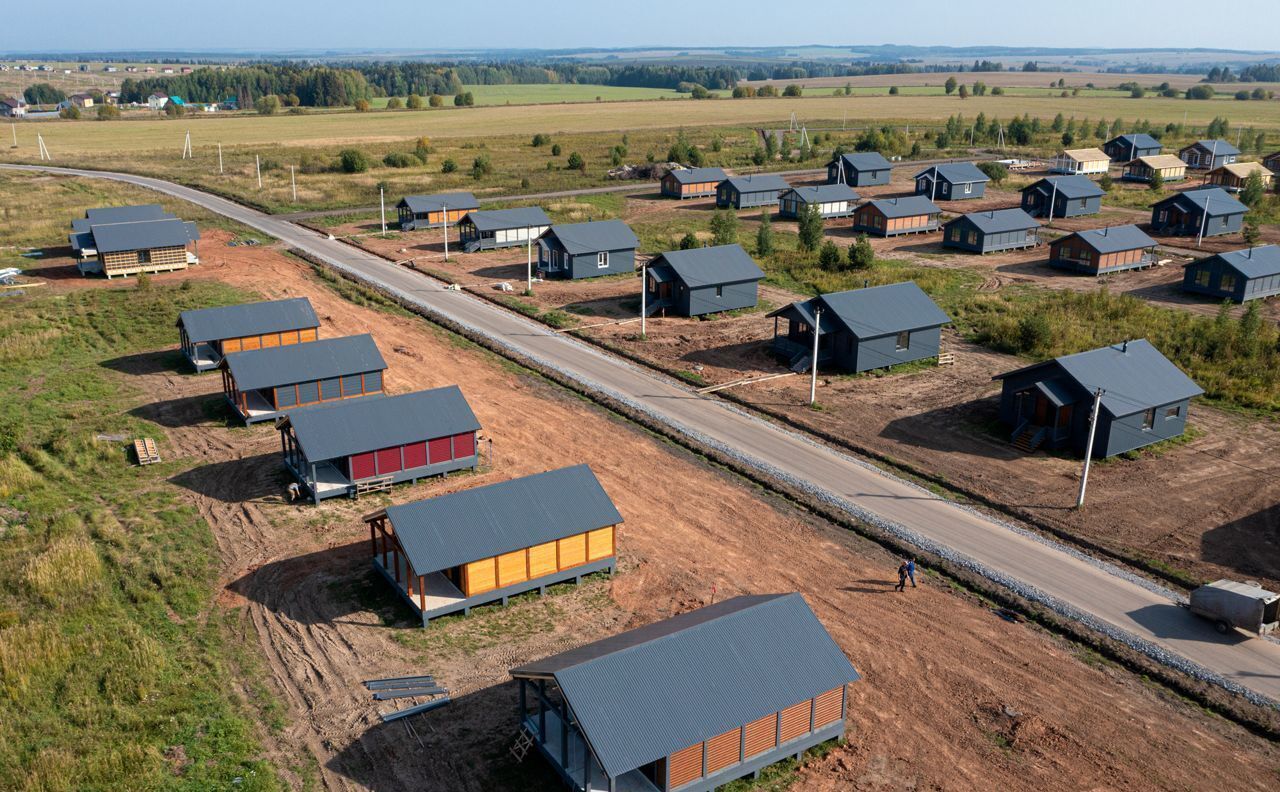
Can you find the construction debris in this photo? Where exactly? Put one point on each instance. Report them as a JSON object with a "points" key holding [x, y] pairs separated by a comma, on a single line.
{"points": [[144, 448], [407, 687]]}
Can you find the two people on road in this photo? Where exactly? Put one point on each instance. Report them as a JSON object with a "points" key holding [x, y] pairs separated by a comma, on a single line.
{"points": [[907, 569]]}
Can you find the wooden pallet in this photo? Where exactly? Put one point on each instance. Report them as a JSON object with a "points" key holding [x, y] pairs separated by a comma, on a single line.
{"points": [[380, 484], [144, 448], [946, 358]]}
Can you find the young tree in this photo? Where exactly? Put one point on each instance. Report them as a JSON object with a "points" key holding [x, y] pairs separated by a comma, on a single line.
{"points": [[1068, 138], [1253, 190], [1250, 233], [266, 105], [964, 91], [576, 162], [362, 105], [793, 90], [555, 149], [352, 161], [70, 111], [689, 241], [1260, 143], [893, 90], [758, 156], [481, 167], [1157, 181], [171, 109], [764, 235], [1106, 182], [861, 255], [724, 227], [435, 100], [1059, 123], [448, 166], [950, 85], [829, 256], [414, 102], [810, 228]]}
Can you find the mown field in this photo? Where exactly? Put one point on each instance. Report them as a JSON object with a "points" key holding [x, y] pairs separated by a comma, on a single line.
{"points": [[556, 93]]}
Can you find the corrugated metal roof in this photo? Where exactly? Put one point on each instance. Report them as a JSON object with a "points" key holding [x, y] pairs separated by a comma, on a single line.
{"points": [[332, 431], [449, 530], [761, 182], [232, 321], [1257, 262], [421, 204], [1114, 238], [698, 175], [823, 193], [1070, 187], [998, 221], [1134, 376], [1161, 161], [1137, 140], [1217, 148], [1218, 201], [1085, 155], [125, 214], [579, 238], [710, 266], [1241, 170], [908, 206], [80, 240], [866, 161], [877, 311], [143, 235], [497, 219], [956, 172], [314, 360], [652, 691]]}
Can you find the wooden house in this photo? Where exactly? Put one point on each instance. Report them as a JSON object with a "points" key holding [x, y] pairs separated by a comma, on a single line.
{"points": [[689, 703], [1144, 168], [1209, 154], [82, 101], [1062, 196], [1127, 148], [1204, 209], [701, 281], [261, 384], [453, 552], [1098, 251], [1232, 177], [12, 107], [913, 214], [860, 330], [745, 192], [128, 240], [499, 228], [992, 232], [157, 100], [861, 169], [208, 334], [831, 200], [587, 250], [1081, 162], [359, 445], [954, 181], [1272, 162], [692, 182], [1144, 400], [1237, 275], [418, 212]]}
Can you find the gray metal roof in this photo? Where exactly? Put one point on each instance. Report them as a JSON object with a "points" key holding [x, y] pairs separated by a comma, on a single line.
{"points": [[449, 530], [908, 206], [1218, 201], [955, 172], [874, 312], [710, 266], [998, 221], [497, 219], [652, 691], [354, 426], [1134, 376], [143, 235], [1074, 186], [1137, 140], [598, 235], [823, 193], [232, 321], [120, 214], [1114, 238], [1257, 262], [315, 360], [421, 204], [1218, 148], [761, 182], [866, 161], [698, 175]]}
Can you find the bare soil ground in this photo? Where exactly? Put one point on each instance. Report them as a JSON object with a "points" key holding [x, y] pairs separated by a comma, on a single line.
{"points": [[953, 697]]}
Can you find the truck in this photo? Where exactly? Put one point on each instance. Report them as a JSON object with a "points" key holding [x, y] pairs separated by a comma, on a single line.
{"points": [[1230, 604]]}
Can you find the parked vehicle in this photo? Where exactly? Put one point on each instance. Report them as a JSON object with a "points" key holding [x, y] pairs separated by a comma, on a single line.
{"points": [[1229, 604]]}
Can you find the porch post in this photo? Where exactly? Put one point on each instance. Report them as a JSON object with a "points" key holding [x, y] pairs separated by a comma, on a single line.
{"points": [[373, 538], [542, 711], [524, 700], [564, 739], [422, 596], [395, 560]]}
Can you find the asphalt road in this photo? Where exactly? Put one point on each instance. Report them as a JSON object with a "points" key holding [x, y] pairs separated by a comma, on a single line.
{"points": [[1101, 595]]}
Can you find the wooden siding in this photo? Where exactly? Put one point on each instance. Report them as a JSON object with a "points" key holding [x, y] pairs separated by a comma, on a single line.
{"points": [[481, 576], [685, 765], [314, 392], [513, 568], [600, 543], [722, 750], [543, 560], [534, 562], [827, 707], [573, 551], [795, 720], [287, 338], [128, 262], [761, 735]]}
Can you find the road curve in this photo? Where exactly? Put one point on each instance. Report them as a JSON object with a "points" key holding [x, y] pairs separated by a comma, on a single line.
{"points": [[1103, 596]]}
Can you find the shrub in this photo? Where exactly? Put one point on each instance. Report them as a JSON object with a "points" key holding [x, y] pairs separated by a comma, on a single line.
{"points": [[399, 159], [724, 227], [997, 91], [107, 112], [414, 102], [540, 140], [394, 103], [1200, 92], [861, 254], [1242, 96], [793, 90], [757, 156], [171, 109], [950, 85], [810, 227], [266, 105], [352, 161], [764, 235], [994, 171], [481, 166], [1157, 182], [576, 162], [1253, 190], [1106, 182], [362, 105], [893, 90], [448, 166], [1034, 333], [829, 255], [688, 241], [435, 100], [464, 99], [555, 150], [422, 148], [70, 111], [313, 163]]}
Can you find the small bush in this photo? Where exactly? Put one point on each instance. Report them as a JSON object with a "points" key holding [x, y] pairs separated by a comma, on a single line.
{"points": [[352, 161], [362, 105], [399, 159], [448, 166], [829, 255], [394, 103], [107, 112], [689, 241], [576, 162], [481, 166], [994, 171], [555, 150], [540, 139], [414, 102], [436, 100]]}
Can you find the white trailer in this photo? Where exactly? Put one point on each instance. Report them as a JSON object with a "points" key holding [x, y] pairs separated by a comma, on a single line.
{"points": [[1229, 604]]}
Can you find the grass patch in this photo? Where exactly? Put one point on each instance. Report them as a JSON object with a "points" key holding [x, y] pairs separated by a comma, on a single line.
{"points": [[782, 775]]}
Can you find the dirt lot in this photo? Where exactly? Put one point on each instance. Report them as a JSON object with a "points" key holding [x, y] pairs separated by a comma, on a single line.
{"points": [[953, 697]]}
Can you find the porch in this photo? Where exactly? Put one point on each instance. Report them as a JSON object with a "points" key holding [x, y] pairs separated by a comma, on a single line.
{"points": [[795, 346], [203, 356], [256, 407], [562, 745], [1092, 268], [1043, 416]]}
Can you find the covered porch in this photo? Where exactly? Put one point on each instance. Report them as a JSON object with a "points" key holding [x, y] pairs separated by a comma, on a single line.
{"points": [[660, 290], [1043, 415], [794, 342]]}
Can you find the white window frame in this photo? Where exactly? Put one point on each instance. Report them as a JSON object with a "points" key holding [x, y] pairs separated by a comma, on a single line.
{"points": [[602, 260]]}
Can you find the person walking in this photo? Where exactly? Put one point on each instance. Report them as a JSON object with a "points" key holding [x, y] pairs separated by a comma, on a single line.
{"points": [[911, 571], [902, 577]]}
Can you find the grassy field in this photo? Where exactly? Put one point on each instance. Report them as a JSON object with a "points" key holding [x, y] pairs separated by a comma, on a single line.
{"points": [[556, 93]]}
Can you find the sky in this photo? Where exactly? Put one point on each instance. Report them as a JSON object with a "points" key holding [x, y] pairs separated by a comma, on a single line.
{"points": [[282, 25]]}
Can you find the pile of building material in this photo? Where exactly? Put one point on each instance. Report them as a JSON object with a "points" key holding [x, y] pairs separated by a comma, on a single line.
{"points": [[408, 687]]}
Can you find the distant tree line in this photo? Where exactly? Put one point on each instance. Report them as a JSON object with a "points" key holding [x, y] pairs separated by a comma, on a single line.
{"points": [[408, 77], [296, 84], [1261, 72]]}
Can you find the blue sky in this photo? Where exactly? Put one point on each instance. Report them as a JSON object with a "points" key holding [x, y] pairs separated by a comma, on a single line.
{"points": [[366, 24]]}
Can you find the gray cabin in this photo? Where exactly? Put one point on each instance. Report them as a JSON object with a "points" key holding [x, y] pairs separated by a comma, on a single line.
{"points": [[831, 200], [702, 281], [490, 229], [955, 181], [419, 212], [587, 250], [691, 182], [862, 169], [1062, 196], [1208, 209], [911, 214], [1237, 275], [689, 703], [130, 240], [357, 446], [206, 335], [1209, 154], [1144, 400], [992, 232], [1126, 148], [1099, 251], [744, 192], [860, 330]]}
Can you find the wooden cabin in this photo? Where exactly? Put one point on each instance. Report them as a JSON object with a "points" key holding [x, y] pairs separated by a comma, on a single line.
{"points": [[831, 200], [453, 552], [912, 214], [206, 335], [419, 212], [1272, 162], [701, 281], [992, 232], [1099, 251], [860, 330], [1209, 154], [1143, 169], [1145, 399], [1232, 177], [685, 183], [1127, 148], [130, 240], [745, 192], [954, 181], [1062, 196], [500, 228], [261, 384], [689, 703], [1207, 209], [1081, 162], [860, 169], [1237, 275], [587, 250], [354, 446]]}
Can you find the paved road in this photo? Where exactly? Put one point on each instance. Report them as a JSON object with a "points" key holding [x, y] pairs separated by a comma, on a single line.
{"points": [[1101, 595]]}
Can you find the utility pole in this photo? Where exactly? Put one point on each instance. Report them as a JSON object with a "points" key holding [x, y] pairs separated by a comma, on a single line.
{"points": [[219, 158], [933, 183], [444, 221], [44, 152], [813, 376], [644, 295], [257, 167], [186, 147], [293, 180], [382, 203], [529, 263], [1088, 447], [1204, 219], [15, 135], [1053, 200]]}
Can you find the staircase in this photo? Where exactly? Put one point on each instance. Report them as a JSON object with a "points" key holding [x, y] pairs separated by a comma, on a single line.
{"points": [[1029, 439], [801, 362]]}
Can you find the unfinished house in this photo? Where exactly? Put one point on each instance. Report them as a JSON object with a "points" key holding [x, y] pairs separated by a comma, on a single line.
{"points": [[1145, 168], [1233, 177], [419, 212], [130, 240], [207, 335], [1081, 162], [692, 182], [491, 229]]}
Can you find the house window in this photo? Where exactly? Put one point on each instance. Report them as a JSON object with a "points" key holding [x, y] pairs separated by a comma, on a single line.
{"points": [[144, 256], [956, 234], [973, 237], [602, 260], [1148, 419], [1227, 282], [1086, 254], [968, 188], [1172, 412], [903, 342], [875, 221], [1202, 278], [719, 291]]}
